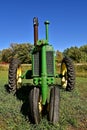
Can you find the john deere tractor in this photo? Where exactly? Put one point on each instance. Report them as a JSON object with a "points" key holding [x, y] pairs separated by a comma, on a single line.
{"points": [[44, 94]]}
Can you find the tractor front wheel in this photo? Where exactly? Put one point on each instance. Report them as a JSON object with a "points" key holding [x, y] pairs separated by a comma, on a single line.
{"points": [[53, 106], [35, 105]]}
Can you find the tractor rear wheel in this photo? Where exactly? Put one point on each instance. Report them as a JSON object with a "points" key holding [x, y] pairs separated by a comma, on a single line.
{"points": [[35, 105], [67, 74], [53, 106], [14, 79]]}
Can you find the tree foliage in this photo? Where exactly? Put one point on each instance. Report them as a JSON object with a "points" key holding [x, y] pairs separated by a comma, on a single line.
{"points": [[78, 55], [20, 51], [6, 55]]}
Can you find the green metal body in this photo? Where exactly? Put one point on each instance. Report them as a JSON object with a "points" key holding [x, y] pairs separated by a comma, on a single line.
{"points": [[44, 79], [43, 64]]}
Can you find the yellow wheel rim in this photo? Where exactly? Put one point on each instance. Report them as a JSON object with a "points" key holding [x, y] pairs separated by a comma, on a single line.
{"points": [[19, 73], [64, 75], [40, 104]]}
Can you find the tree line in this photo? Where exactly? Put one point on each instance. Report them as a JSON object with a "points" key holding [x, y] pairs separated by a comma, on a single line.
{"points": [[23, 52], [79, 55], [20, 51]]}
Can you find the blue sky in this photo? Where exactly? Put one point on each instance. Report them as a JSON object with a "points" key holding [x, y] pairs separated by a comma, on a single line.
{"points": [[68, 22]]}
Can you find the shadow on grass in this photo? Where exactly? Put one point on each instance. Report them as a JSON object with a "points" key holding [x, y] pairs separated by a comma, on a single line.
{"points": [[6, 88], [22, 94]]}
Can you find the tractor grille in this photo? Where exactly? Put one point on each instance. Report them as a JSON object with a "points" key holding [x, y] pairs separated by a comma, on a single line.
{"points": [[37, 64], [50, 63]]}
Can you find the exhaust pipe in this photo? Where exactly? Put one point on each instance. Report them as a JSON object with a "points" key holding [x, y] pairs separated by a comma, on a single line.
{"points": [[46, 26], [35, 24]]}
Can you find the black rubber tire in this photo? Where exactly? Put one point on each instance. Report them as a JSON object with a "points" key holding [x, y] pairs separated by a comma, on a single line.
{"points": [[34, 114], [12, 75], [70, 74], [53, 111]]}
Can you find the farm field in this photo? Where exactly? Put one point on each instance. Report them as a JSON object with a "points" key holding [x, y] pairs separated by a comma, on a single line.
{"points": [[13, 109]]}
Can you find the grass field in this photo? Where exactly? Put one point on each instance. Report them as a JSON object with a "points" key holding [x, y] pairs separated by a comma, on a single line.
{"points": [[73, 108]]}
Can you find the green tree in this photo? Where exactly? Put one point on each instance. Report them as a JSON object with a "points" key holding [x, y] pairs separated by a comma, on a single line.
{"points": [[20, 51], [83, 48], [6, 54], [74, 53]]}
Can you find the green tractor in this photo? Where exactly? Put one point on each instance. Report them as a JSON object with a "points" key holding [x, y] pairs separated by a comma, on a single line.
{"points": [[44, 95]]}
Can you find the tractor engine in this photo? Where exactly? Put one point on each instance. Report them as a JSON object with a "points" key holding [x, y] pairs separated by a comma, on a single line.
{"points": [[43, 64]]}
